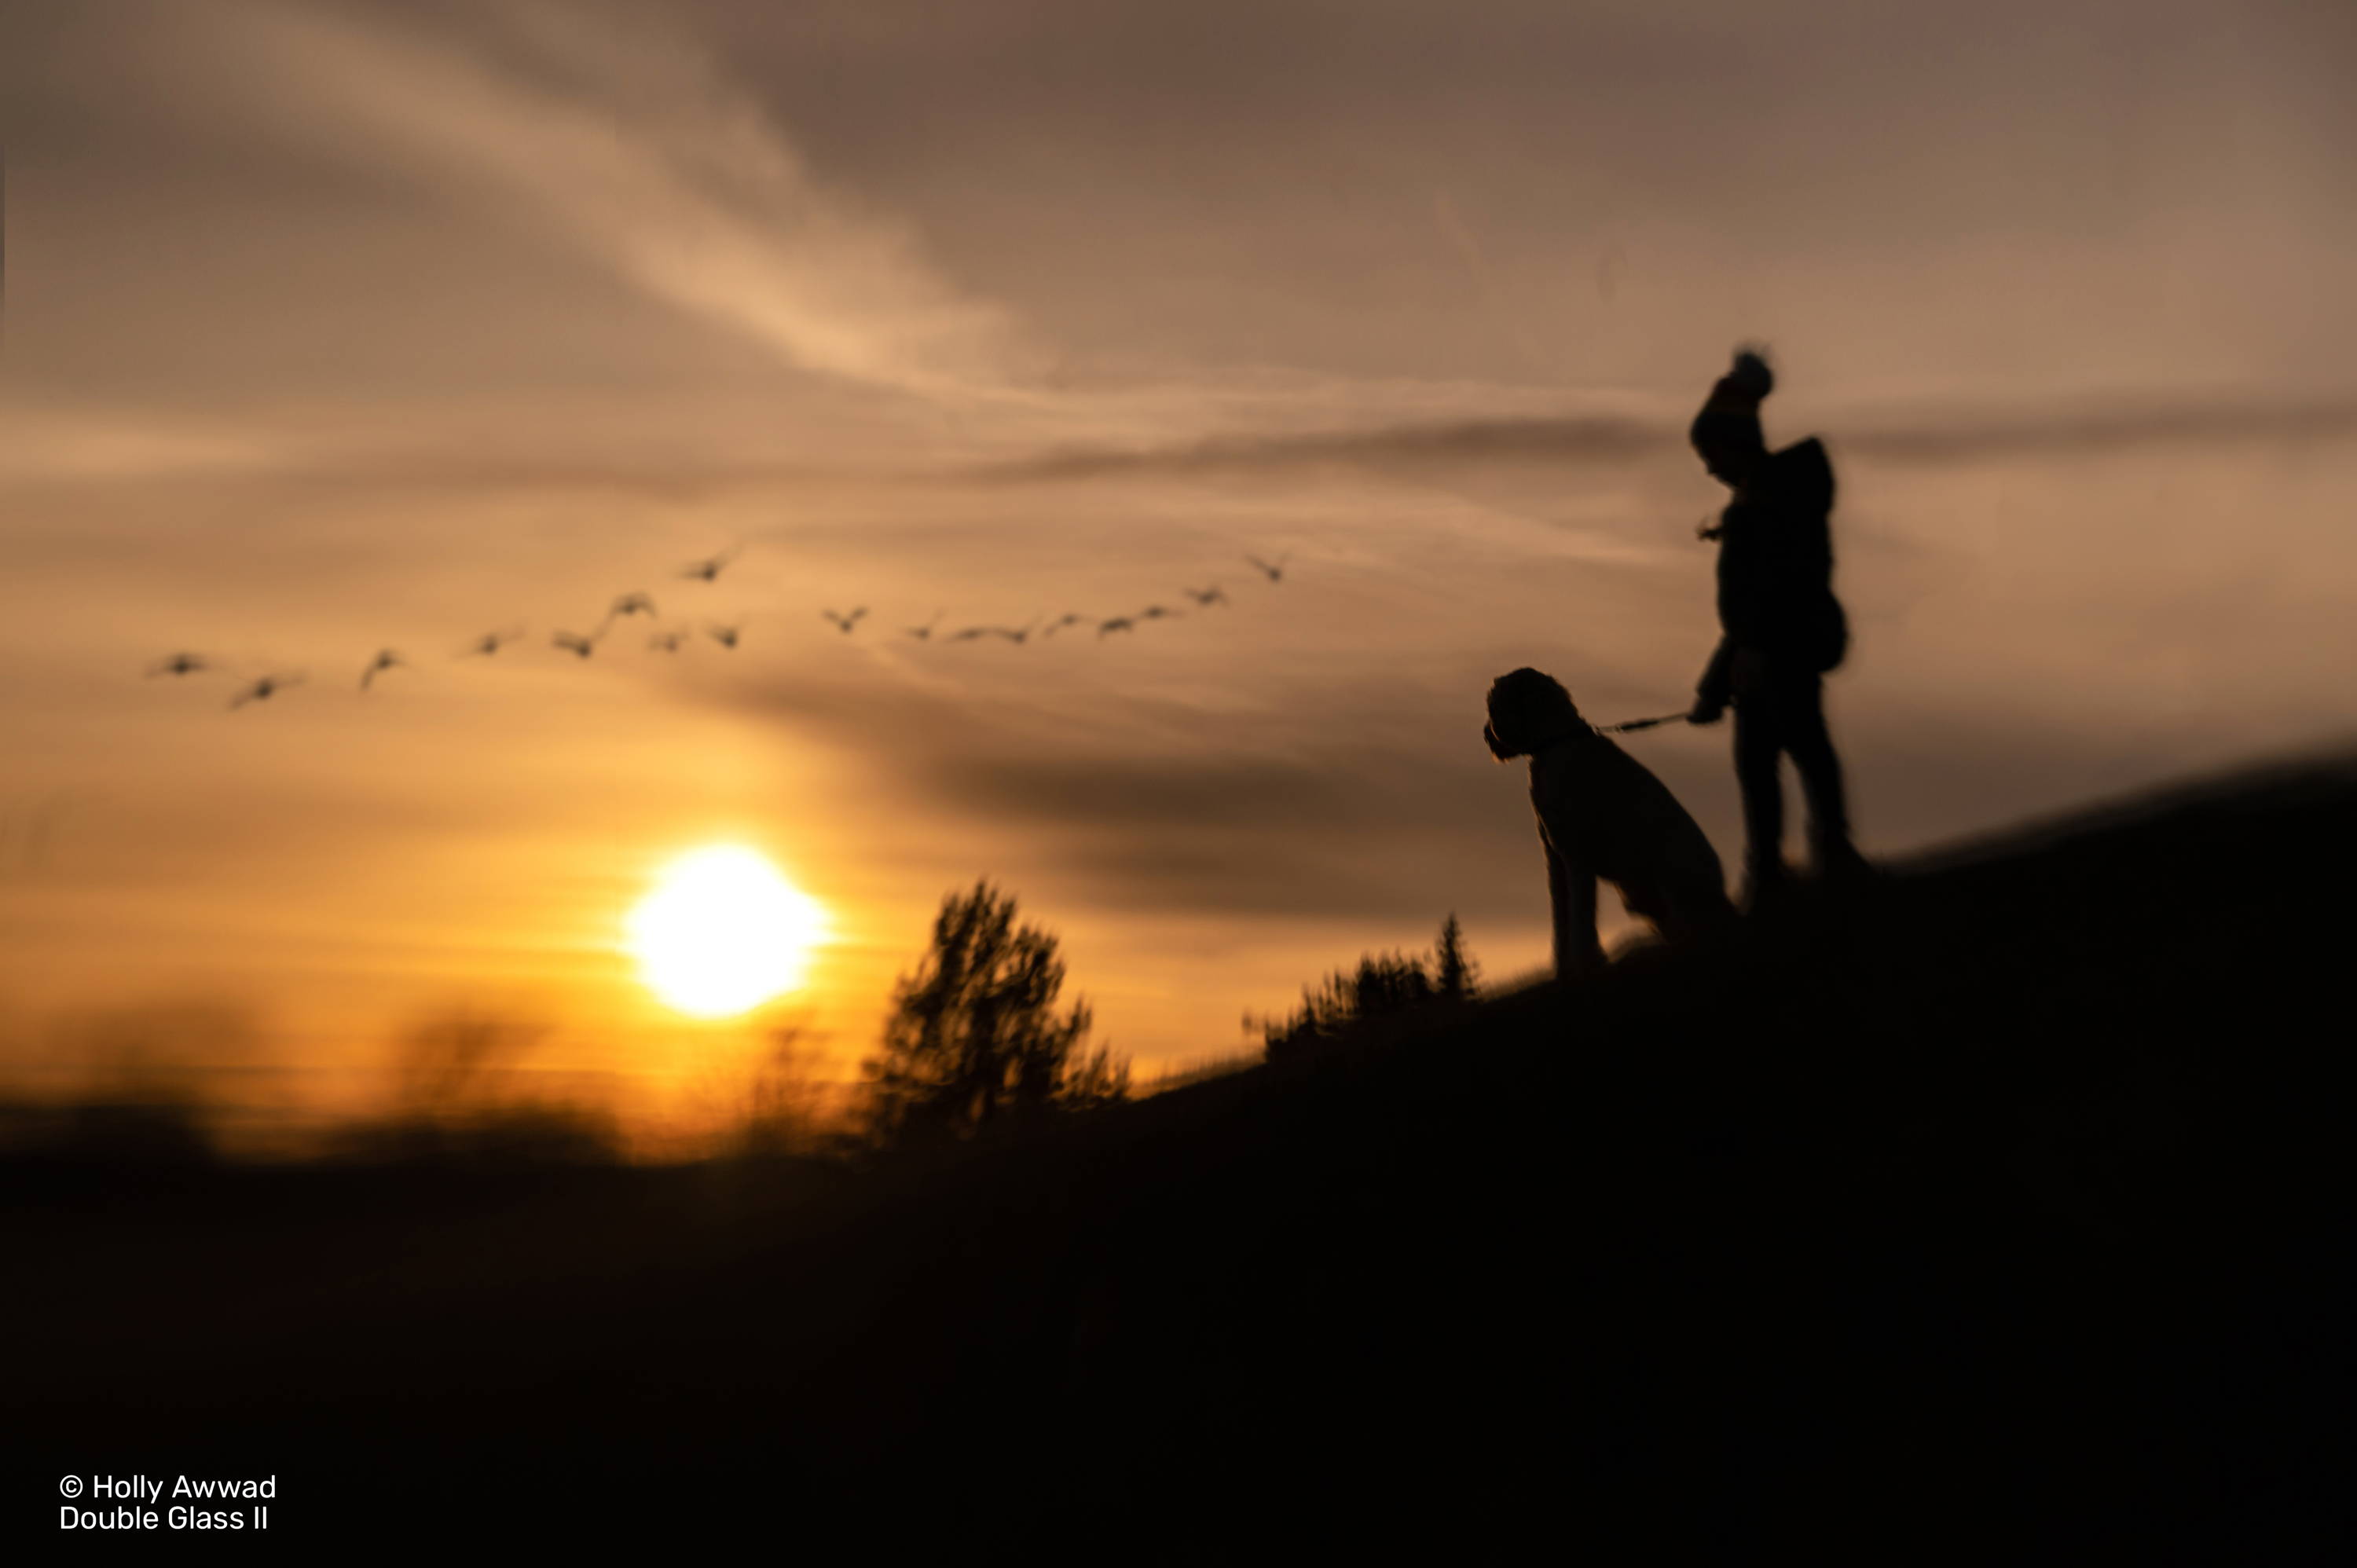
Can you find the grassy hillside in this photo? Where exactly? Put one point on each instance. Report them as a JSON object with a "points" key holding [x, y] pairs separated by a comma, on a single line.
{"points": [[2002, 1214]]}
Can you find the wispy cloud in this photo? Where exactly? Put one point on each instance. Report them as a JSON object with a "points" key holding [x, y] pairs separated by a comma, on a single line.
{"points": [[1590, 439], [2196, 423], [42, 443], [652, 161], [1572, 438]]}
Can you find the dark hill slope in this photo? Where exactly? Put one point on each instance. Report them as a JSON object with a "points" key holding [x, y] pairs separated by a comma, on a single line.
{"points": [[2002, 1214]]}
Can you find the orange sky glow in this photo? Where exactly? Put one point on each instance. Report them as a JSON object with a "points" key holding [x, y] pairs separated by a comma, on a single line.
{"points": [[340, 327]]}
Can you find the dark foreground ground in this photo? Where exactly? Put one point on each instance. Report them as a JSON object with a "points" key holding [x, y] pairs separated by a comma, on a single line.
{"points": [[2002, 1216]]}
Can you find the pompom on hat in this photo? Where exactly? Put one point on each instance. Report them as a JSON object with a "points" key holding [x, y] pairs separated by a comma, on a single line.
{"points": [[1730, 419]]}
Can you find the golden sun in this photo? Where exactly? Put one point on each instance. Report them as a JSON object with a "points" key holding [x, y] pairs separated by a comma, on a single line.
{"points": [[723, 931]]}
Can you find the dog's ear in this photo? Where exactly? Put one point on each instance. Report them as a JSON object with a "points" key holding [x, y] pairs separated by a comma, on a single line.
{"points": [[1497, 747]]}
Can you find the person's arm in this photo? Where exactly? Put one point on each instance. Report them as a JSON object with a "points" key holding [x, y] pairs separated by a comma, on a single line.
{"points": [[1712, 691]]}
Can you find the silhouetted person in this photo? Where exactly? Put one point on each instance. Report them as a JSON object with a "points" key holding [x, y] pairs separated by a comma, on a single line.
{"points": [[1783, 628], [1602, 815]]}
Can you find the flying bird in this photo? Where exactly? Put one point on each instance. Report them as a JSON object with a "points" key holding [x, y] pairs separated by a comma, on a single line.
{"points": [[666, 641], [579, 646], [1155, 612], [631, 605], [1018, 638], [1068, 618], [708, 570], [262, 689], [1207, 597], [925, 633], [726, 636], [386, 659], [1274, 570], [970, 633], [180, 664], [491, 642], [845, 622], [1118, 623]]}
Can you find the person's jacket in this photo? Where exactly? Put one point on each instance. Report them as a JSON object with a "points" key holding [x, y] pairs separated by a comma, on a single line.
{"points": [[1776, 563]]}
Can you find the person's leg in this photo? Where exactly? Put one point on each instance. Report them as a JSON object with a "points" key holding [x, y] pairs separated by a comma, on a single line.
{"points": [[1759, 747], [1804, 735]]}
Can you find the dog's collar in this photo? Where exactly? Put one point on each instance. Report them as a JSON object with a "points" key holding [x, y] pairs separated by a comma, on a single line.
{"points": [[1571, 735]]}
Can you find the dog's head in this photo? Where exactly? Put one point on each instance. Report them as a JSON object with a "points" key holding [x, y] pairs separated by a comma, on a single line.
{"points": [[1527, 710]]}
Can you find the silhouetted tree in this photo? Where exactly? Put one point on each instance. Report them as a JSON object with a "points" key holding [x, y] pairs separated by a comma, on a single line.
{"points": [[1383, 983], [1455, 975], [457, 1062], [459, 1094], [787, 1110], [974, 1039], [1384, 986]]}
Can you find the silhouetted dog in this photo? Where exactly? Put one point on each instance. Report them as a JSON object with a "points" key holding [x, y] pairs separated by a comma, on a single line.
{"points": [[1603, 814]]}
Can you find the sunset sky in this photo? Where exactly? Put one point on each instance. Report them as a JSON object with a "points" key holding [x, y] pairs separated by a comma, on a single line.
{"points": [[333, 327]]}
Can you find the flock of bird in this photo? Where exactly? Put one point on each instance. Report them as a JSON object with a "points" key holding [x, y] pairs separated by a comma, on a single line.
{"points": [[728, 634]]}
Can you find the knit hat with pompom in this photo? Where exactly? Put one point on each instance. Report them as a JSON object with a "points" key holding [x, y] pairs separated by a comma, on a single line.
{"points": [[1730, 419]]}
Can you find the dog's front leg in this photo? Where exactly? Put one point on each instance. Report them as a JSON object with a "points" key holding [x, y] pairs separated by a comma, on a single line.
{"points": [[1571, 891]]}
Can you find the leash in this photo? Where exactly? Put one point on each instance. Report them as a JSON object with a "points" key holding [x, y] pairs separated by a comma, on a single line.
{"points": [[1640, 723]]}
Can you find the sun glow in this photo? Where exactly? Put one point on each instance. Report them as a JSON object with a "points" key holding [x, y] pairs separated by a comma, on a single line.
{"points": [[723, 931]]}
